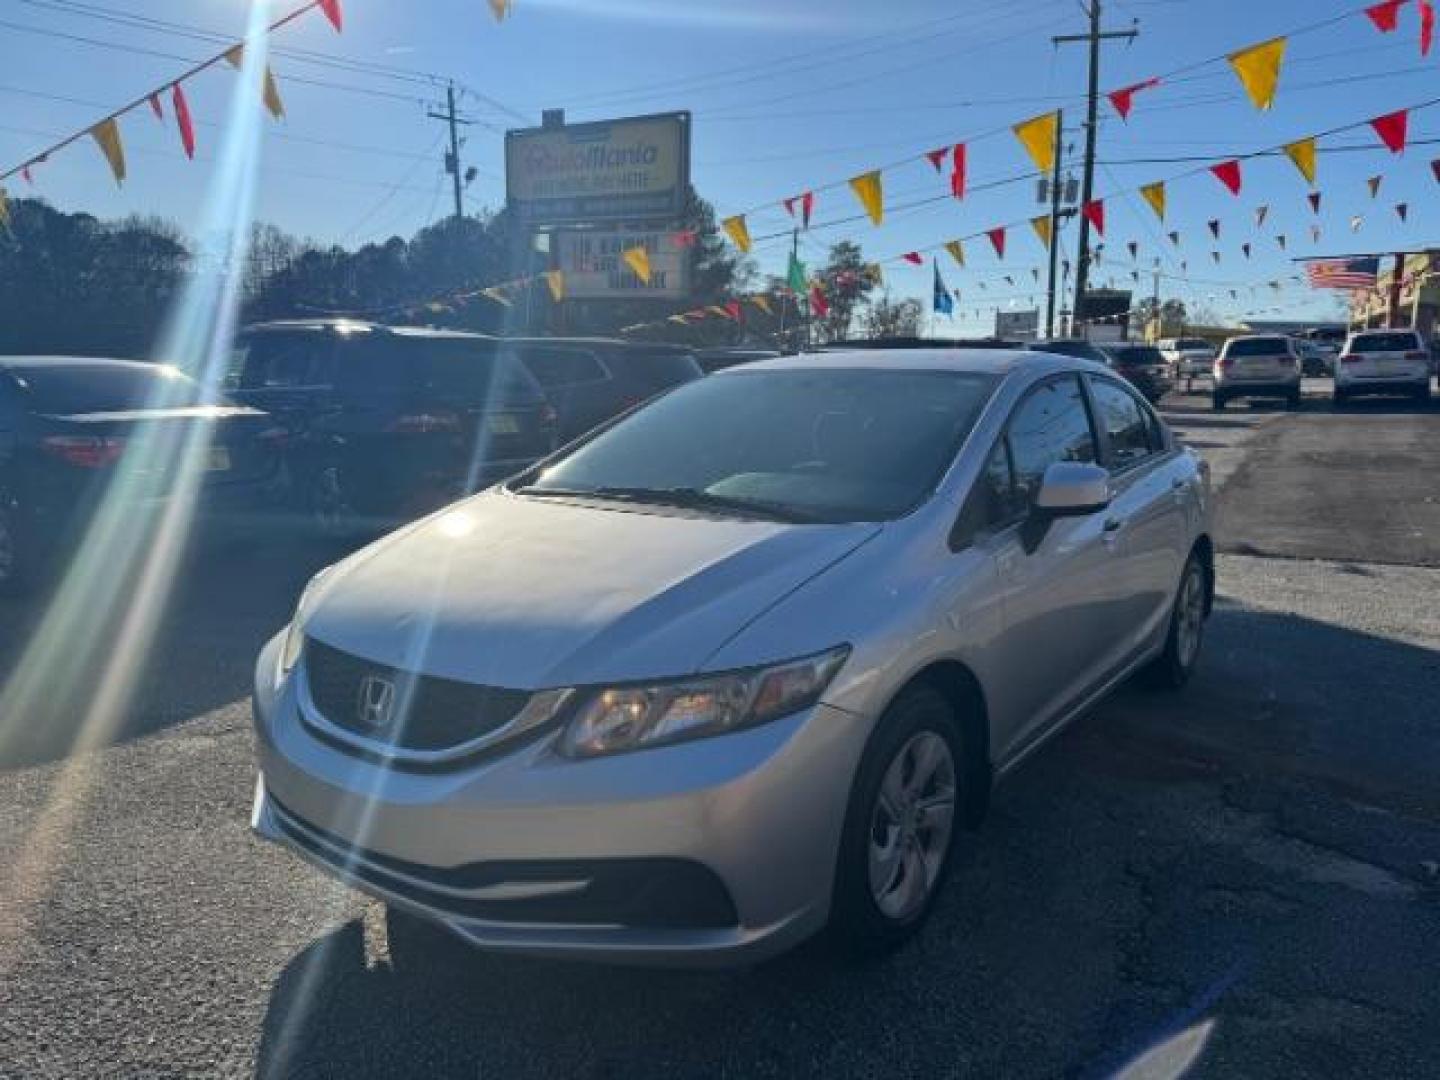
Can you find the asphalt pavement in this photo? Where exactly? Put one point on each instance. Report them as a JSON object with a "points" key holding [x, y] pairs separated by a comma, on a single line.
{"points": [[1246, 874]]}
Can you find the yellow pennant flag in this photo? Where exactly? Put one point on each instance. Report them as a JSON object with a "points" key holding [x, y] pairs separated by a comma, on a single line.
{"points": [[1154, 194], [739, 232], [1042, 228], [763, 303], [871, 193], [501, 8], [957, 251], [107, 136], [1259, 70], [1038, 137], [272, 95], [638, 259], [4, 211], [556, 280], [1302, 153]]}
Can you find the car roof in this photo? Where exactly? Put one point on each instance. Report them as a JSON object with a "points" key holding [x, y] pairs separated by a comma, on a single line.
{"points": [[361, 326], [999, 362]]}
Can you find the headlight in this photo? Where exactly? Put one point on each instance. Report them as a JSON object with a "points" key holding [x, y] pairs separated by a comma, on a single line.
{"points": [[295, 632], [617, 719]]}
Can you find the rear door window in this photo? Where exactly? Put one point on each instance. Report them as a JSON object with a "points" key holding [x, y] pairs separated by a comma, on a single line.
{"points": [[271, 361], [1257, 347], [78, 389], [463, 372], [556, 369]]}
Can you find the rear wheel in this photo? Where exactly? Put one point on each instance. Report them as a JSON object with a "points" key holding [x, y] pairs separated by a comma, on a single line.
{"points": [[13, 569], [1342, 397], [1217, 402], [1173, 668], [900, 826]]}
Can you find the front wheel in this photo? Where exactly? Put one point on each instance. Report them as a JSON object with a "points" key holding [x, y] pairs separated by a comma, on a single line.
{"points": [[1174, 667], [900, 826]]}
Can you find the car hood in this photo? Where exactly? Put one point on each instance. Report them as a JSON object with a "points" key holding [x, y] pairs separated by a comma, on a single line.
{"points": [[511, 591]]}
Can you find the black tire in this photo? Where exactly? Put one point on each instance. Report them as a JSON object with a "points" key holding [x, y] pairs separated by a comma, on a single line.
{"points": [[1342, 398], [1422, 395], [858, 928], [1217, 402], [1293, 400], [15, 569], [1172, 669]]}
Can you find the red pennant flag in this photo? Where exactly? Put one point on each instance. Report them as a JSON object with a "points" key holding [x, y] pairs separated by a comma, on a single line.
{"points": [[1124, 99], [937, 157], [1215, 228], [1403, 209], [686, 238], [1314, 198], [1385, 16], [997, 240], [914, 257], [1094, 212], [156, 107], [734, 311], [1435, 168], [183, 120], [331, 8], [1427, 26], [1228, 173], [1393, 129], [957, 176], [818, 304], [807, 204]]}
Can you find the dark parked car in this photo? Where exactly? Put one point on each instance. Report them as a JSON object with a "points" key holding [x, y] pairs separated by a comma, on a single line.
{"points": [[591, 380], [70, 427], [1143, 366], [387, 423]]}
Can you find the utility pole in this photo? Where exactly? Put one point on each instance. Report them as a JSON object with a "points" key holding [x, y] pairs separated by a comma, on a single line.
{"points": [[452, 159], [785, 296], [1054, 223], [1087, 192]]}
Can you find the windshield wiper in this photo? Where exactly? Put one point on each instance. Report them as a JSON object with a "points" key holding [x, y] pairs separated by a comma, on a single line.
{"points": [[685, 498]]}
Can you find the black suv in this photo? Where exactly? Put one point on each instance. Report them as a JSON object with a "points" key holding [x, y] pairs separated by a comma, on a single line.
{"points": [[591, 380], [387, 423]]}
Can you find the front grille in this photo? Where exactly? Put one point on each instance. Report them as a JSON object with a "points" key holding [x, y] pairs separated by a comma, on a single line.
{"points": [[426, 713], [658, 893]]}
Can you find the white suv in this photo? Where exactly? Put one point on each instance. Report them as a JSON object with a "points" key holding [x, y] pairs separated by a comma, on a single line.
{"points": [[1188, 357], [1260, 365], [1383, 362]]}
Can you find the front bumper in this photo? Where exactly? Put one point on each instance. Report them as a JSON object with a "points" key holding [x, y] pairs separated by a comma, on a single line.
{"points": [[528, 852], [1383, 384], [1258, 388]]}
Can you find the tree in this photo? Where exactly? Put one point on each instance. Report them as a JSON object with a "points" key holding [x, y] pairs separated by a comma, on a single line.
{"points": [[1173, 315], [887, 318], [848, 282]]}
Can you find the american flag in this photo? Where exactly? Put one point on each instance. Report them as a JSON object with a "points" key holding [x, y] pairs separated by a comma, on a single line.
{"points": [[1343, 273]]}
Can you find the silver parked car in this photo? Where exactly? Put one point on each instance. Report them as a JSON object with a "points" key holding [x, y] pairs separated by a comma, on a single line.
{"points": [[741, 666]]}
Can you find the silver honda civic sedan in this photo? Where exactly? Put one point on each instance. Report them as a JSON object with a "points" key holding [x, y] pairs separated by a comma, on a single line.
{"points": [[743, 665]]}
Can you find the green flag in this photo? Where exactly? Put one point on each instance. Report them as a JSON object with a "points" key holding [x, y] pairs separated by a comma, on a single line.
{"points": [[796, 276]]}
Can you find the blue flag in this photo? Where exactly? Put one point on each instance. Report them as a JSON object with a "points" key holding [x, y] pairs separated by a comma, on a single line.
{"points": [[944, 302]]}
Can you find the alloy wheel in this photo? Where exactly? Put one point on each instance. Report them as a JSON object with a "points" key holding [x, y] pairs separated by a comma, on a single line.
{"points": [[911, 826], [1190, 617]]}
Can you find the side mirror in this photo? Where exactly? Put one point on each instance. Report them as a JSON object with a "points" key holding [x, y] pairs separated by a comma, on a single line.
{"points": [[1069, 489]]}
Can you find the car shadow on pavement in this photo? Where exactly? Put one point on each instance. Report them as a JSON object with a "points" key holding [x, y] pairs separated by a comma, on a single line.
{"points": [[228, 599], [1166, 859]]}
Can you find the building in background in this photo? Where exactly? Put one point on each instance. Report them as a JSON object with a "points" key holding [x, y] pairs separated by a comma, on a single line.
{"points": [[1410, 300]]}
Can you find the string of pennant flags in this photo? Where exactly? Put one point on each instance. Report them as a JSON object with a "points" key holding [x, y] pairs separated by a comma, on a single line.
{"points": [[106, 135], [1258, 68]]}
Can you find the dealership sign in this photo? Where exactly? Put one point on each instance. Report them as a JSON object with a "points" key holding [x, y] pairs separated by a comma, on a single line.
{"points": [[629, 169], [594, 269]]}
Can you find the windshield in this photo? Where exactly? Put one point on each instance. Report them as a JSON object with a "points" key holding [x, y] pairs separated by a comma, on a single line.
{"points": [[77, 389], [1137, 356], [826, 444]]}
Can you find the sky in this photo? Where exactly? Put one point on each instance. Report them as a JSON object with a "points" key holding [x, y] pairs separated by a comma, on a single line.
{"points": [[786, 96]]}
